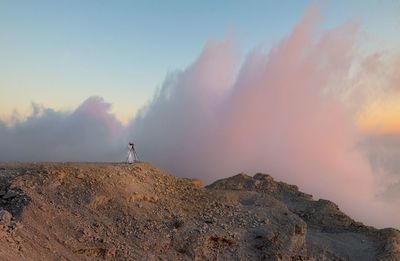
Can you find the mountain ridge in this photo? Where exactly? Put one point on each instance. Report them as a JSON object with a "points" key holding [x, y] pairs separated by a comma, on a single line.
{"points": [[97, 211]]}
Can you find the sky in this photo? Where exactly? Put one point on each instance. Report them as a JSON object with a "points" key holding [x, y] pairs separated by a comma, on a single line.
{"points": [[307, 91], [59, 53]]}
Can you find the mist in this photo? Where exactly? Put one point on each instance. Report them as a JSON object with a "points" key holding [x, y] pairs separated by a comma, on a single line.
{"points": [[89, 133], [289, 111]]}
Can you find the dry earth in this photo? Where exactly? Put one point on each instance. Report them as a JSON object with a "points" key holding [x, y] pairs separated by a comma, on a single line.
{"points": [[96, 211]]}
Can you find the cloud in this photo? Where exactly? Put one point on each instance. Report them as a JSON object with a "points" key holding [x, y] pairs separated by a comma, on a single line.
{"points": [[383, 152], [288, 112], [86, 134]]}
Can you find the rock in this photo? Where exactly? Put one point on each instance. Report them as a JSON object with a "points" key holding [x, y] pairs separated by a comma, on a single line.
{"points": [[5, 217], [197, 183], [262, 176], [10, 194]]}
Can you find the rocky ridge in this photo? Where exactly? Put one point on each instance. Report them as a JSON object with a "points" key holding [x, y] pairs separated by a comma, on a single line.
{"points": [[100, 211]]}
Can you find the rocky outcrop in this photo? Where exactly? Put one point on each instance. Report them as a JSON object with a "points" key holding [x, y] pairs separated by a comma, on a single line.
{"points": [[331, 234], [85, 211]]}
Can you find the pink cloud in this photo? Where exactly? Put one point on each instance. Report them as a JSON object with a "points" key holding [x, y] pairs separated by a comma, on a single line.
{"points": [[96, 108], [281, 113]]}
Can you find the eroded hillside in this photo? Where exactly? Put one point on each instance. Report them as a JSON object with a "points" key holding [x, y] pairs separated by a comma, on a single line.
{"points": [[84, 211]]}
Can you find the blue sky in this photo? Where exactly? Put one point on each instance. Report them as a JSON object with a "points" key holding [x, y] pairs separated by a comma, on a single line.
{"points": [[58, 53]]}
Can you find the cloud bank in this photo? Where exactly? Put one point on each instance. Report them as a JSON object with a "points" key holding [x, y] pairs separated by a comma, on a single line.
{"points": [[89, 133], [288, 112]]}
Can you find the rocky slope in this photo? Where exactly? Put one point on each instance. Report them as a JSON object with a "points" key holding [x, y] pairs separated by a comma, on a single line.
{"points": [[83, 211]]}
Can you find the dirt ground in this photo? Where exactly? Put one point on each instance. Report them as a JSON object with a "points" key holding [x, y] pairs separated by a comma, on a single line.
{"points": [[104, 211]]}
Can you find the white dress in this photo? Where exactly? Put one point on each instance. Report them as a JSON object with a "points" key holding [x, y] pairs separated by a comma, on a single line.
{"points": [[129, 159]]}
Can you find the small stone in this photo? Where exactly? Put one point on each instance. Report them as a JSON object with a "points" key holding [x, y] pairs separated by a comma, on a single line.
{"points": [[197, 183], [5, 216], [10, 194]]}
